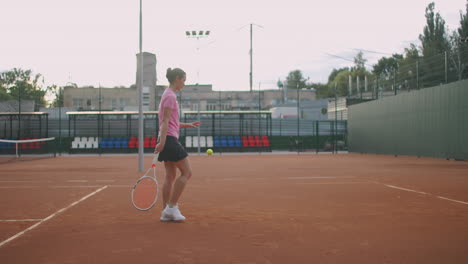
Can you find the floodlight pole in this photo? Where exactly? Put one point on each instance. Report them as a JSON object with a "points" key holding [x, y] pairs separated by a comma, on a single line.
{"points": [[198, 35], [251, 55], [140, 97]]}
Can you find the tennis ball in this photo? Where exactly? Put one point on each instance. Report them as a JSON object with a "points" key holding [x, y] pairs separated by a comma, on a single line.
{"points": [[209, 151]]}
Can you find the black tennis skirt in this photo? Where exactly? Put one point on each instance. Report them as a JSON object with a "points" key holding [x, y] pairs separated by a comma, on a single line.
{"points": [[173, 150]]}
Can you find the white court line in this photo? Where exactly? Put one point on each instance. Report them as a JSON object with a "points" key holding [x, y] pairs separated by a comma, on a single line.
{"points": [[18, 181], [75, 186], [404, 189], [326, 183], [50, 217], [105, 180], [440, 197], [77, 181], [18, 187], [452, 200], [318, 177], [21, 220]]}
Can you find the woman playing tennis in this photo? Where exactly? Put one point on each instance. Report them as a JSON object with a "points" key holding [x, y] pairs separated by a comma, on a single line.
{"points": [[170, 150]]}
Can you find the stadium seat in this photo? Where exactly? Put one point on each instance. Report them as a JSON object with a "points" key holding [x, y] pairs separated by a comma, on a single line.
{"points": [[195, 142], [202, 141], [258, 143], [209, 141], [188, 141], [217, 141], [245, 141], [230, 141], [237, 141], [89, 144], [251, 141], [124, 142], [224, 142], [75, 145]]}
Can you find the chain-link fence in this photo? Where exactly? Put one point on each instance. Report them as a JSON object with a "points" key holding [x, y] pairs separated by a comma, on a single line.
{"points": [[412, 74]]}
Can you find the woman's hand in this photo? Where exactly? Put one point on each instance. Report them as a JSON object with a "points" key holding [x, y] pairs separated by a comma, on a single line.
{"points": [[194, 124], [159, 148]]}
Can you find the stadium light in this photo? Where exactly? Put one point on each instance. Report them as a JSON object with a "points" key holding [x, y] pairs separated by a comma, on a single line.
{"points": [[201, 34]]}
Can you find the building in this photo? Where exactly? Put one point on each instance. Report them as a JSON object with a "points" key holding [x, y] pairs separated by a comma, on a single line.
{"points": [[149, 73], [338, 109], [192, 97], [308, 110]]}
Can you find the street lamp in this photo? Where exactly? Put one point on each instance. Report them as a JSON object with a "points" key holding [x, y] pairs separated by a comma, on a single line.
{"points": [[197, 35]]}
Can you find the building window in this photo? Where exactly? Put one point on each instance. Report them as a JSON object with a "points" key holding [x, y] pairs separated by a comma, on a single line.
{"points": [[114, 103]]}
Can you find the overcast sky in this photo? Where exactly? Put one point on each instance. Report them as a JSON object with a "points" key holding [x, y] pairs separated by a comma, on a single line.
{"points": [[92, 42]]}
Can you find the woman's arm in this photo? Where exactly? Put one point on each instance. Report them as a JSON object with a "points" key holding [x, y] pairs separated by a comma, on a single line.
{"points": [[190, 125], [163, 129]]}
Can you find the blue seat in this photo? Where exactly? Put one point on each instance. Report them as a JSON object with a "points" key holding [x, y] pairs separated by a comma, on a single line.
{"points": [[237, 142], [224, 143], [124, 142], [103, 144]]}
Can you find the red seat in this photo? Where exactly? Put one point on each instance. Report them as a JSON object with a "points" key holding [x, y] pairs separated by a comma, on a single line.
{"points": [[24, 145], [258, 143]]}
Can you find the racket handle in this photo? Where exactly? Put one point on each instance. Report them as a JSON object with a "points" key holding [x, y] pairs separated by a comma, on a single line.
{"points": [[155, 160]]}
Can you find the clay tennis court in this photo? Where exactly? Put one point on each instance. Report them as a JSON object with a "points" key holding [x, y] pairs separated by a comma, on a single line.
{"points": [[346, 208]]}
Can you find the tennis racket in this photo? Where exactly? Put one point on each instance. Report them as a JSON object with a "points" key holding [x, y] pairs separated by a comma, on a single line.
{"points": [[145, 191]]}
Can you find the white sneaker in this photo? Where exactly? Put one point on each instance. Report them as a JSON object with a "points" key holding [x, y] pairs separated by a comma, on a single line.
{"points": [[165, 217], [172, 214]]}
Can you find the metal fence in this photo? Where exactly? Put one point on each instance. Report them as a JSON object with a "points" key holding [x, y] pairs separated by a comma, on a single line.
{"points": [[432, 122], [413, 74]]}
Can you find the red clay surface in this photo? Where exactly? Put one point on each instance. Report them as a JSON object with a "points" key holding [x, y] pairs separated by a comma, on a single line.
{"points": [[240, 209]]}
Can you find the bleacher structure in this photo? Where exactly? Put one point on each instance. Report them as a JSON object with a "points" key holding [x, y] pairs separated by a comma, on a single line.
{"points": [[130, 144], [114, 132]]}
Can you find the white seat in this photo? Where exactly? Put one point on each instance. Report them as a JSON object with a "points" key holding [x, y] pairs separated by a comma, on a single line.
{"points": [[75, 145], [84, 139], [209, 141], [89, 144], [82, 145], [203, 142], [195, 142], [188, 141], [77, 139], [95, 144]]}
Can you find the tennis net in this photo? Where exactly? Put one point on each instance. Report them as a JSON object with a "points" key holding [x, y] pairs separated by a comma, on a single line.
{"points": [[28, 146]]}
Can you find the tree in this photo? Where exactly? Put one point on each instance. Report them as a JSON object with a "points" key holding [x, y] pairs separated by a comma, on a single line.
{"points": [[459, 43], [434, 44], [360, 63], [18, 84], [295, 79], [387, 66], [335, 72], [321, 90], [434, 39]]}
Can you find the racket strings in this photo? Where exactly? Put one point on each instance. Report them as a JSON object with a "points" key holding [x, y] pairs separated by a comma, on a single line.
{"points": [[145, 193]]}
